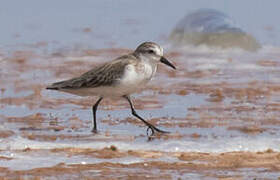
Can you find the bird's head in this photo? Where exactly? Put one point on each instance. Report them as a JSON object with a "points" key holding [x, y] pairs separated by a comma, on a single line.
{"points": [[153, 52]]}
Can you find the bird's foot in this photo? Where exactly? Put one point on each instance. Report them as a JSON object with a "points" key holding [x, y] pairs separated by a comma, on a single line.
{"points": [[94, 131], [153, 129]]}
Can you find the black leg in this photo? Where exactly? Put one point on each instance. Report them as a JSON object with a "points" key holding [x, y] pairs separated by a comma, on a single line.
{"points": [[94, 108], [150, 126]]}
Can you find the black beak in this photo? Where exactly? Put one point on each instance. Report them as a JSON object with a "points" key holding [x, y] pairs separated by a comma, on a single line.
{"points": [[165, 61]]}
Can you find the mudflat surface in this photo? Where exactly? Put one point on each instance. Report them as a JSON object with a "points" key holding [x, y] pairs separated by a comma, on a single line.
{"points": [[221, 107]]}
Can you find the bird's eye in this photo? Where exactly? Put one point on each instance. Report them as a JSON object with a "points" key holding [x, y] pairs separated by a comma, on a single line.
{"points": [[151, 51]]}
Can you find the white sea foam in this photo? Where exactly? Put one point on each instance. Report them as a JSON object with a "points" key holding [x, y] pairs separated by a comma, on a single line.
{"points": [[211, 145]]}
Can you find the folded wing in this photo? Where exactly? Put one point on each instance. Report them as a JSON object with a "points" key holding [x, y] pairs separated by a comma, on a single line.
{"points": [[104, 75]]}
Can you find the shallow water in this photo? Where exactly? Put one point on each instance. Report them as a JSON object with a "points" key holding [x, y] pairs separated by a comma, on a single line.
{"points": [[221, 106], [216, 102]]}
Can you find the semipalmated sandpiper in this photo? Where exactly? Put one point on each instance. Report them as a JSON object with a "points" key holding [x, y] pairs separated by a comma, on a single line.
{"points": [[118, 78]]}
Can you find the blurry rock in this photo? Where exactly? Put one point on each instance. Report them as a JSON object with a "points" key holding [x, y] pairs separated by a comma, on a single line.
{"points": [[212, 28]]}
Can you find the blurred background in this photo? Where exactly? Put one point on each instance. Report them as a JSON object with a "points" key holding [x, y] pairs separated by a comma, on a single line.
{"points": [[124, 23]]}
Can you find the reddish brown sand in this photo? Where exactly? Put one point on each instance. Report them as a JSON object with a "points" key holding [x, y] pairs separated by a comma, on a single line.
{"points": [[248, 107], [205, 164]]}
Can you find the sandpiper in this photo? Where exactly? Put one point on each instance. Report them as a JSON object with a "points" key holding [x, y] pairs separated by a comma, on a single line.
{"points": [[118, 78]]}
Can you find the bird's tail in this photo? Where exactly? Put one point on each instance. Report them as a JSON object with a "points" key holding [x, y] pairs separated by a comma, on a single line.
{"points": [[56, 86], [52, 88]]}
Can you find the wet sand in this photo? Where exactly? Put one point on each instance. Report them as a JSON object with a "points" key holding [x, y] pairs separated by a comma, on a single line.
{"points": [[221, 107], [230, 165]]}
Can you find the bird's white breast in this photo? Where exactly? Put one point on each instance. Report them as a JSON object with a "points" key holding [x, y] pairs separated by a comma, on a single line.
{"points": [[136, 77]]}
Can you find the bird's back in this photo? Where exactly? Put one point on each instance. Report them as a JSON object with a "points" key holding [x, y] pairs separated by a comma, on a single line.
{"points": [[107, 74]]}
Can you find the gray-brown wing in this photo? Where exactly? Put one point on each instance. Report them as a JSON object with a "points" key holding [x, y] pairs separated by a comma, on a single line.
{"points": [[105, 75]]}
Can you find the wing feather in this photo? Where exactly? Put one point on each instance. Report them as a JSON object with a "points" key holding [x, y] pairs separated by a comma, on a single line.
{"points": [[104, 75]]}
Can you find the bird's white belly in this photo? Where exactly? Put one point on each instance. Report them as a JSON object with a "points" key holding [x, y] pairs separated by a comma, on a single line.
{"points": [[104, 91]]}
